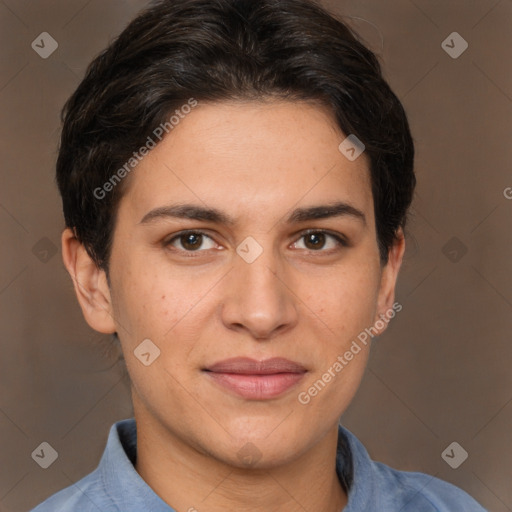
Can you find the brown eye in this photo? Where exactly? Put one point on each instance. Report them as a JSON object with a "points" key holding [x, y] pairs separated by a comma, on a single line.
{"points": [[320, 241], [191, 241], [314, 241]]}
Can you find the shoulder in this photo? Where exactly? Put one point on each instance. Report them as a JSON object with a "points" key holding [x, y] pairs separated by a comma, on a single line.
{"points": [[376, 486], [419, 492], [87, 495], [99, 489]]}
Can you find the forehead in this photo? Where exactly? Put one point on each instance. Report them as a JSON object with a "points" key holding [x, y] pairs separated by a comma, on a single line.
{"points": [[250, 157]]}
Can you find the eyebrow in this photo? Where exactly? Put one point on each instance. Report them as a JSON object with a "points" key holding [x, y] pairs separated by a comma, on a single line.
{"points": [[195, 212], [187, 211], [339, 209]]}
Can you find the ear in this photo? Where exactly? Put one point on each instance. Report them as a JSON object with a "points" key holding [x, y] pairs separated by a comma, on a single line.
{"points": [[90, 282], [386, 296]]}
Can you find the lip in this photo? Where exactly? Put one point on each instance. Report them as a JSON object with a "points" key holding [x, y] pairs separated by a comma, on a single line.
{"points": [[256, 380]]}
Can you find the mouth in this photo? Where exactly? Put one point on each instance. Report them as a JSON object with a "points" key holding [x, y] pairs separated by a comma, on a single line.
{"points": [[256, 380]]}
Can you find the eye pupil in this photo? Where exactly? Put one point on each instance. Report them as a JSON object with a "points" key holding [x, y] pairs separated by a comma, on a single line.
{"points": [[191, 241], [317, 240]]}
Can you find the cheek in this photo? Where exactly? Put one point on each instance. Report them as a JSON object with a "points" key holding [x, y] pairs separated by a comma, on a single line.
{"points": [[347, 308], [346, 302], [160, 304], [143, 303]]}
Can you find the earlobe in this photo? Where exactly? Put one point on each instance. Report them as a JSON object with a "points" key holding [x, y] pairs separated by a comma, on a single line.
{"points": [[90, 283], [389, 277]]}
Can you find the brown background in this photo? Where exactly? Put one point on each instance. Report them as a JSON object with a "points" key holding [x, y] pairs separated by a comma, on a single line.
{"points": [[441, 372]]}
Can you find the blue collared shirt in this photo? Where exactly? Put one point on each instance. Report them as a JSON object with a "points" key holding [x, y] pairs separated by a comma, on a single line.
{"points": [[115, 485]]}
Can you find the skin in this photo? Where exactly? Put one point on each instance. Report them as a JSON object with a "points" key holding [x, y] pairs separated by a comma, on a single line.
{"points": [[256, 162]]}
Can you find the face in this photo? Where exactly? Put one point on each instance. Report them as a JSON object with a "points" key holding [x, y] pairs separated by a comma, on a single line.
{"points": [[245, 249]]}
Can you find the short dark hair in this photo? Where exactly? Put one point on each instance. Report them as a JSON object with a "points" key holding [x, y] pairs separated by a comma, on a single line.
{"points": [[217, 50]]}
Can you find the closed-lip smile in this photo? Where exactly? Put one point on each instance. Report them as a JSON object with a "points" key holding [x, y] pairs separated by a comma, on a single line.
{"points": [[256, 380]]}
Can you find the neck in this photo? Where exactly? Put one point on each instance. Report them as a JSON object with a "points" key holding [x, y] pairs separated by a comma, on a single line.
{"points": [[191, 481]]}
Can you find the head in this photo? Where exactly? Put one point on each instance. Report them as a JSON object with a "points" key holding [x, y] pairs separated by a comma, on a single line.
{"points": [[212, 208]]}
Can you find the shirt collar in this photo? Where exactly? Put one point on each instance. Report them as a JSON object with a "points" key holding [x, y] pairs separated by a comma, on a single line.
{"points": [[124, 485], [130, 492], [363, 477]]}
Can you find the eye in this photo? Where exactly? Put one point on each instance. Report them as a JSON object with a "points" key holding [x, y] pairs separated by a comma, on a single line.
{"points": [[191, 241], [318, 240]]}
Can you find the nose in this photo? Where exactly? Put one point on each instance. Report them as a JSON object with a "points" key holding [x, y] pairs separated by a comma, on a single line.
{"points": [[257, 298]]}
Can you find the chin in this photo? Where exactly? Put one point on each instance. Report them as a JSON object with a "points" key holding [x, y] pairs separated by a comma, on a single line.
{"points": [[261, 447]]}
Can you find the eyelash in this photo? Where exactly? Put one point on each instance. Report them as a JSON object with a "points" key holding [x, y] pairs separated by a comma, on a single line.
{"points": [[340, 240]]}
